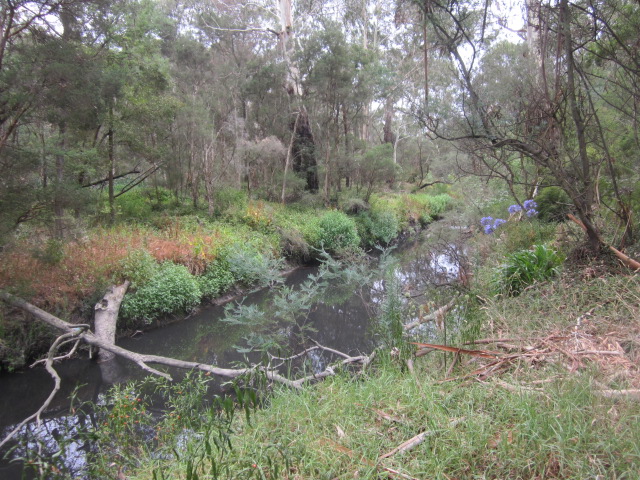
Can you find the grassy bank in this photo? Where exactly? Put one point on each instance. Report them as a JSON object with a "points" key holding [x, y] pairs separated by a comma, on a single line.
{"points": [[547, 390], [179, 259]]}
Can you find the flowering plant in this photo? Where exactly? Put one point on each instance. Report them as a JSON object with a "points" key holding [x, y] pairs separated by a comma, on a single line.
{"points": [[513, 209], [489, 224]]}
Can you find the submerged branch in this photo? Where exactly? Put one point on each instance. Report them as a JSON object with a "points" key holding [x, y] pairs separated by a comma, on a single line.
{"points": [[62, 339], [143, 360]]}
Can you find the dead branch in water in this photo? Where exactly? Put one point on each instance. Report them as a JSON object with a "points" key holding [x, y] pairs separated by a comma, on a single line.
{"points": [[62, 339], [71, 332]]}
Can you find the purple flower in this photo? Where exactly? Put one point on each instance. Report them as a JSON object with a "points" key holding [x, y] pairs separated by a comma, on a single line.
{"points": [[531, 212], [513, 209], [490, 225], [498, 222], [530, 205]]}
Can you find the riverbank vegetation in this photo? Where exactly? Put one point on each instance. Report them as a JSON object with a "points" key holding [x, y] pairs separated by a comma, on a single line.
{"points": [[536, 383], [193, 151], [177, 262]]}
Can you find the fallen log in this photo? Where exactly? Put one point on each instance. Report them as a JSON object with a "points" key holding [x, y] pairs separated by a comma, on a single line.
{"points": [[143, 360], [104, 341]]}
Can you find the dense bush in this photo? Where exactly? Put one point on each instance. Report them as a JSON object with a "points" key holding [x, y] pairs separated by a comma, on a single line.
{"points": [[52, 252], [553, 204], [171, 289], [134, 205], [414, 209], [138, 267], [522, 235], [524, 268], [216, 279], [250, 266], [438, 204], [378, 227], [334, 231], [293, 245], [353, 206], [227, 197]]}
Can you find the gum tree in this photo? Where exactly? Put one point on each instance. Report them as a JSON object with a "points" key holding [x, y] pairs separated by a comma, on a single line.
{"points": [[550, 120]]}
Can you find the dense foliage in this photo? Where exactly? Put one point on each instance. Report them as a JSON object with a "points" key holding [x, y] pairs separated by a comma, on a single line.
{"points": [[98, 99], [194, 147]]}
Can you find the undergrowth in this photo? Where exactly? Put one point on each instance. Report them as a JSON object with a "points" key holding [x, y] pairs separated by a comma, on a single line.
{"points": [[244, 244]]}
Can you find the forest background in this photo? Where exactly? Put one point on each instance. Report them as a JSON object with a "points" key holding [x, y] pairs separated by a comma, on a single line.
{"points": [[155, 131], [201, 142]]}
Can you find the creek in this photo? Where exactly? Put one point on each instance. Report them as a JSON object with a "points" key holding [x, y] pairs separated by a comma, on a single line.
{"points": [[342, 321]]}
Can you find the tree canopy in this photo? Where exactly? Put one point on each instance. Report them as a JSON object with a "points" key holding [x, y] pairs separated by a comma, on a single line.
{"points": [[99, 97]]}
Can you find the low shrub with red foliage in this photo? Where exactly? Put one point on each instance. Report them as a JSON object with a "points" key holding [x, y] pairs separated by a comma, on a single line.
{"points": [[88, 266]]}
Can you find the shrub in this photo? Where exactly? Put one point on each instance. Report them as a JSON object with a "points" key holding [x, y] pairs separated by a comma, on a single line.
{"points": [[138, 267], [334, 231], [171, 289], [523, 235], [52, 253], [526, 267], [378, 227], [293, 245], [553, 204], [437, 204], [310, 200], [416, 208], [353, 206], [259, 216], [216, 279], [134, 205], [249, 266]]}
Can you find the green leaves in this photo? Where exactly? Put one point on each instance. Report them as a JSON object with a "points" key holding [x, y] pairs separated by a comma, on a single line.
{"points": [[526, 267], [171, 289], [335, 231]]}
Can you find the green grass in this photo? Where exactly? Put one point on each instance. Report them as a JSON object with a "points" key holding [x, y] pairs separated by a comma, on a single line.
{"points": [[526, 267], [338, 429], [538, 419]]}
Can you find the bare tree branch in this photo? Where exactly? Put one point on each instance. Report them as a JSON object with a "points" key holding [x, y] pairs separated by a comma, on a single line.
{"points": [[434, 316], [56, 378], [143, 360]]}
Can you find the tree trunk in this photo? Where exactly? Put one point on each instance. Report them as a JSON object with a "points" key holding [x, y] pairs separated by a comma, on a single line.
{"points": [[587, 193], [58, 202], [425, 59], [106, 317], [389, 136], [287, 161], [304, 155], [112, 167], [304, 146]]}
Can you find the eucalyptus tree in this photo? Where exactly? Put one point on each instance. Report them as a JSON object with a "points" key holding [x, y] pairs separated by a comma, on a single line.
{"points": [[545, 116], [91, 77]]}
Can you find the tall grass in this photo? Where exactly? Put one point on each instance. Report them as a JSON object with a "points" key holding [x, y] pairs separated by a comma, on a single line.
{"points": [[341, 428]]}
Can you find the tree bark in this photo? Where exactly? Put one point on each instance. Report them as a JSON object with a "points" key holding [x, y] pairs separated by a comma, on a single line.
{"points": [[112, 169], [106, 317], [304, 145], [587, 194]]}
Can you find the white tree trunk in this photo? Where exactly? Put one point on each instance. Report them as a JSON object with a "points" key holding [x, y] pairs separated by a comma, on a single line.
{"points": [[106, 317]]}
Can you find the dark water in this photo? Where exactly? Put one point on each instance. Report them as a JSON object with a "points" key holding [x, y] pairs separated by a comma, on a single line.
{"points": [[341, 321]]}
